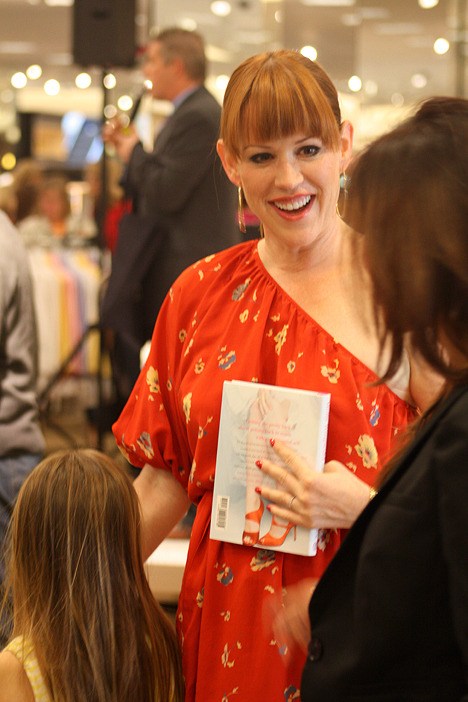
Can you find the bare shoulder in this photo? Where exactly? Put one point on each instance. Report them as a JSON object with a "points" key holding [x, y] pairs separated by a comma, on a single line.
{"points": [[14, 683]]}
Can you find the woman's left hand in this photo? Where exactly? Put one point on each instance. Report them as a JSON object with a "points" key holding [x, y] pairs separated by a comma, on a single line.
{"points": [[329, 500]]}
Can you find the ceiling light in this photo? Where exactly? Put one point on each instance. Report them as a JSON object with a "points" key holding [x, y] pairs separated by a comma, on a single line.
{"points": [[355, 84], [34, 72], [371, 87], [221, 8], [125, 103], [397, 100], [18, 80], [83, 81], [52, 87], [109, 81], [310, 52], [221, 82], [418, 80], [329, 3], [110, 111], [428, 4], [441, 46], [188, 23]]}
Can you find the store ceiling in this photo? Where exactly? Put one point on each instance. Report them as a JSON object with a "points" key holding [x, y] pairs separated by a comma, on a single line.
{"points": [[385, 42]]}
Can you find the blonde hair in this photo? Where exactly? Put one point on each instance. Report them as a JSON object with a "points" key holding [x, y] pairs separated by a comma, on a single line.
{"points": [[276, 94], [79, 590]]}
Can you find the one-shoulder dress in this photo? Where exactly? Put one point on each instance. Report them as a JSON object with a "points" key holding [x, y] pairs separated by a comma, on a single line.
{"points": [[226, 318]]}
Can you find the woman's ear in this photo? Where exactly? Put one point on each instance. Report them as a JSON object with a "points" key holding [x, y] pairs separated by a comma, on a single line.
{"points": [[229, 162], [346, 144]]}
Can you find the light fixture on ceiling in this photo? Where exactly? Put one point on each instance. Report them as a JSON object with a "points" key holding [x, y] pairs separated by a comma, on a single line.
{"points": [[52, 87], [329, 3], [83, 81], [441, 46], [34, 72], [310, 52], [221, 8], [18, 80], [428, 4], [355, 84], [418, 81]]}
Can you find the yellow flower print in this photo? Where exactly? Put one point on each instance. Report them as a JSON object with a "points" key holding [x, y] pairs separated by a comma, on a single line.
{"points": [[209, 258], [201, 275], [244, 316], [291, 367], [182, 335], [352, 466], [225, 658], [234, 691], [200, 597], [187, 406], [256, 316], [226, 615], [192, 471], [199, 366], [217, 267], [280, 338], [359, 404], [333, 374], [189, 346], [152, 379], [169, 384], [365, 449]]}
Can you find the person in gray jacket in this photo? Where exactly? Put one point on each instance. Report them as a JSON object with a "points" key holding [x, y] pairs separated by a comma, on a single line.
{"points": [[22, 443]]}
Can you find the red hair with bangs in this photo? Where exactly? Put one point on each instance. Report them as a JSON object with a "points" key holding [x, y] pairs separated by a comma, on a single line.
{"points": [[276, 94]]}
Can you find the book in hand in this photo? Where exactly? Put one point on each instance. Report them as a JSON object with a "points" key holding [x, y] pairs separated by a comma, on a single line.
{"points": [[251, 415]]}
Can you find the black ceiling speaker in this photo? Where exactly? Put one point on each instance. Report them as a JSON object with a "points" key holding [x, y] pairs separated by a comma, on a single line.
{"points": [[104, 33]]}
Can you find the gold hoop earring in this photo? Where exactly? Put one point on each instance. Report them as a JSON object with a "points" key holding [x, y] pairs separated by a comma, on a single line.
{"points": [[240, 209]]}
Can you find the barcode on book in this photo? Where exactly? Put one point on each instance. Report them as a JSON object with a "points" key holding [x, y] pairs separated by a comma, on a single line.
{"points": [[222, 510]]}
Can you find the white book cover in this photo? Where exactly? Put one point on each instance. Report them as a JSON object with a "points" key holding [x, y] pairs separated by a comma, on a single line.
{"points": [[251, 415]]}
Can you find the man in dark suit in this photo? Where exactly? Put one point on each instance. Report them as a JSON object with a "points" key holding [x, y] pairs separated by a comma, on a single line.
{"points": [[186, 206]]}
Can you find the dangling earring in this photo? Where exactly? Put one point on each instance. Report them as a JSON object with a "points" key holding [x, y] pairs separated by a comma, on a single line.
{"points": [[344, 182], [240, 210]]}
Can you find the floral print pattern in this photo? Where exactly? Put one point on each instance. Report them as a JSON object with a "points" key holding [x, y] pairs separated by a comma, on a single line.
{"points": [[225, 318]]}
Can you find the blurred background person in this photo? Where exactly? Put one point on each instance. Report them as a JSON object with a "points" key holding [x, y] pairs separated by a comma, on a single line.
{"points": [[22, 443], [185, 206]]}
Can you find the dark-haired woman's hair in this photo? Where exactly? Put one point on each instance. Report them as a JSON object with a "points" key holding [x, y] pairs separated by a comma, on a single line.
{"points": [[409, 198]]}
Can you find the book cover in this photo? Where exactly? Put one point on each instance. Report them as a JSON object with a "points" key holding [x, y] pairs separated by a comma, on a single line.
{"points": [[252, 414]]}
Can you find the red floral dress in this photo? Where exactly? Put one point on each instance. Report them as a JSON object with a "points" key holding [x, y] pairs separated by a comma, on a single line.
{"points": [[225, 318]]}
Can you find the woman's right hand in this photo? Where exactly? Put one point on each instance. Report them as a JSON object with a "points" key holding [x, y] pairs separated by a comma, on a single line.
{"points": [[329, 500]]}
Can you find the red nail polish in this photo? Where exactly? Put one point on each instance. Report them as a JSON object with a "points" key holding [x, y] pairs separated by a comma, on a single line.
{"points": [[258, 490], [259, 464], [269, 508], [272, 442]]}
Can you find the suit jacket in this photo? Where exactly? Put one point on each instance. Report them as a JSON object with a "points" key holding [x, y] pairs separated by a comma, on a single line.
{"points": [[389, 617], [186, 209]]}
